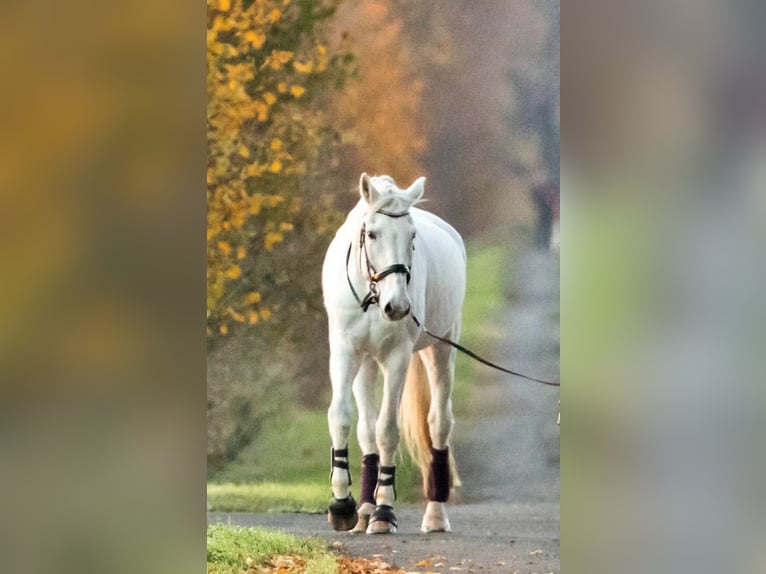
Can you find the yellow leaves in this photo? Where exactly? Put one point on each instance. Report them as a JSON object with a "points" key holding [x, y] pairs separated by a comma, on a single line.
{"points": [[255, 38], [238, 317], [262, 110], [240, 72], [253, 297], [254, 170], [278, 58], [269, 98], [233, 272], [283, 56], [238, 218], [303, 68], [271, 239], [275, 15], [262, 136]]}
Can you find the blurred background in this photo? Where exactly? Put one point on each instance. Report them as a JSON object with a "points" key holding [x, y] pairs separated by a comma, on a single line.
{"points": [[303, 96], [103, 326]]}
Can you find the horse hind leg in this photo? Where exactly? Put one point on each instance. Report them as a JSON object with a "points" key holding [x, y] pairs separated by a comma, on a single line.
{"points": [[440, 366]]}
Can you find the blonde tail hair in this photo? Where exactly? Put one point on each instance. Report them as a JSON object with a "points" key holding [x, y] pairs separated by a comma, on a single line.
{"points": [[413, 417]]}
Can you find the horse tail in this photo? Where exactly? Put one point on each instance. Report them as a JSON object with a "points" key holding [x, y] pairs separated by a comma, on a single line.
{"points": [[413, 416]]}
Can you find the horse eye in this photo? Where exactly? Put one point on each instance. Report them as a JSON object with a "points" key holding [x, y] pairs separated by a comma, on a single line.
{"points": [[371, 235]]}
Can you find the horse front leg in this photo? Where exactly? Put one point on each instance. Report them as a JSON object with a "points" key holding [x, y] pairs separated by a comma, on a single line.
{"points": [[364, 393], [383, 520], [344, 364]]}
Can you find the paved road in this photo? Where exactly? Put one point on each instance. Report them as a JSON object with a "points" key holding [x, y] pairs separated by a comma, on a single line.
{"points": [[506, 518]]}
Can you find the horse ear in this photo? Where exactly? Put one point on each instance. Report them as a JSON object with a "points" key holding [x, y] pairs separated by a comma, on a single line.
{"points": [[367, 190], [415, 191]]}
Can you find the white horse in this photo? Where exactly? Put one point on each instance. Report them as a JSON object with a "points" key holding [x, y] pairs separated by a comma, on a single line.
{"points": [[388, 263]]}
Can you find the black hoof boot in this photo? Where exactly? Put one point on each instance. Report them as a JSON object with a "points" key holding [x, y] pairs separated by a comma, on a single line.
{"points": [[382, 521], [342, 513]]}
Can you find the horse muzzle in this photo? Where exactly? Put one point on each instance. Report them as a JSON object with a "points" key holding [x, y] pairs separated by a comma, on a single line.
{"points": [[395, 313]]}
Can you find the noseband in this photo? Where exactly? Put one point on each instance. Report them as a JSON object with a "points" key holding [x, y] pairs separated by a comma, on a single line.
{"points": [[375, 276]]}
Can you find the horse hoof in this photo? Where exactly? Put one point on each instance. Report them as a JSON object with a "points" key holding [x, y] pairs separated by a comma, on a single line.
{"points": [[435, 518], [342, 513], [382, 521], [364, 511]]}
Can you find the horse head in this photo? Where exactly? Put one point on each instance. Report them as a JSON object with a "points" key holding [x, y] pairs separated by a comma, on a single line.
{"points": [[387, 240]]}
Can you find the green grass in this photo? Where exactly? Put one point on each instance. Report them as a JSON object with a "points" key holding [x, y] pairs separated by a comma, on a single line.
{"points": [[484, 296], [268, 497], [228, 548], [286, 466]]}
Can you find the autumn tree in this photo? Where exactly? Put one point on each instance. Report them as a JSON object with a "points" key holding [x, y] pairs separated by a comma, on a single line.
{"points": [[268, 72], [378, 111]]}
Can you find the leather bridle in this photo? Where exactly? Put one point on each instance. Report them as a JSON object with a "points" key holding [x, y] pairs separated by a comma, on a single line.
{"points": [[373, 274]]}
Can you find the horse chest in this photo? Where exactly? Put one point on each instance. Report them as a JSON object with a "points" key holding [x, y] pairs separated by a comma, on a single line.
{"points": [[371, 334]]}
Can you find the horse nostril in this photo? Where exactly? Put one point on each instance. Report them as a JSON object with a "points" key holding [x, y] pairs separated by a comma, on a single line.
{"points": [[388, 309], [406, 311]]}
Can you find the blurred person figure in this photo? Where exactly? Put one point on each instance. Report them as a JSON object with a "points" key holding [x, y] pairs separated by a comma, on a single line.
{"points": [[545, 196]]}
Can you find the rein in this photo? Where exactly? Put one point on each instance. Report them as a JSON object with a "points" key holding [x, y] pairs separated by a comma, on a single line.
{"points": [[482, 360], [372, 298]]}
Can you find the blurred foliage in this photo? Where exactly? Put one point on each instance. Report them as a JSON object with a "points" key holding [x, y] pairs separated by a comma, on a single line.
{"points": [[379, 111], [268, 69]]}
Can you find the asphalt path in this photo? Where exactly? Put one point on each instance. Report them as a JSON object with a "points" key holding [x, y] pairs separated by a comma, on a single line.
{"points": [[505, 518]]}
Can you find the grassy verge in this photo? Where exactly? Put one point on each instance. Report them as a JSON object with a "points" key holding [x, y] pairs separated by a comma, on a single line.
{"points": [[230, 547], [286, 467], [238, 550], [484, 296]]}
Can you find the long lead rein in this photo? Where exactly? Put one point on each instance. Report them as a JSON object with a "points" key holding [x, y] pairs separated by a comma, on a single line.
{"points": [[473, 355], [372, 297]]}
